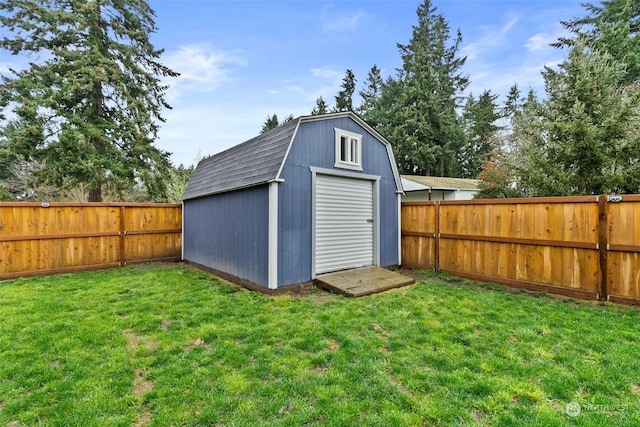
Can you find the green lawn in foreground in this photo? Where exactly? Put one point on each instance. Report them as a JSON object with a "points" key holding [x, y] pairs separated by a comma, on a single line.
{"points": [[169, 345]]}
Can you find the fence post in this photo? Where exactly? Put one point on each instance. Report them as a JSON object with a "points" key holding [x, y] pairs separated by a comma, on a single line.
{"points": [[603, 243], [437, 238], [122, 235]]}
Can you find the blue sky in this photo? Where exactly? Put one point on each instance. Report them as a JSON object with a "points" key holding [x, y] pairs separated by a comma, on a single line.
{"points": [[243, 60]]}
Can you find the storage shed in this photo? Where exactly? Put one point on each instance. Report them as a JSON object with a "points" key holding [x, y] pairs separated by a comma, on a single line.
{"points": [[315, 195]]}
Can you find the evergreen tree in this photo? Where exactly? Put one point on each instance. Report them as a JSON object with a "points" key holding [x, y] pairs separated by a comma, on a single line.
{"points": [[513, 102], [371, 92], [386, 116], [90, 109], [587, 137], [480, 117], [320, 108], [612, 27], [7, 160], [344, 99], [430, 133], [271, 122], [178, 179]]}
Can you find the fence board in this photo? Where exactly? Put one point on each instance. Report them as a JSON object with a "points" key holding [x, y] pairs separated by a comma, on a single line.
{"points": [[542, 244], [419, 235], [59, 237], [623, 260]]}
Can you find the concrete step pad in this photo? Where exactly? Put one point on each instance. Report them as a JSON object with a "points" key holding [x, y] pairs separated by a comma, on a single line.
{"points": [[362, 281]]}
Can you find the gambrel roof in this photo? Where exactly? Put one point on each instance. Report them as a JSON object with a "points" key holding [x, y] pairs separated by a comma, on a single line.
{"points": [[255, 161], [260, 159]]}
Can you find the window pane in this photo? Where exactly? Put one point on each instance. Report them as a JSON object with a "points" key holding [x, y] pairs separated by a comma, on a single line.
{"points": [[344, 150], [354, 151]]}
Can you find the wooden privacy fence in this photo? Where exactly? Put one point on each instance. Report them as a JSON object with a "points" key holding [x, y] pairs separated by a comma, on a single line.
{"points": [[588, 247], [62, 237]]}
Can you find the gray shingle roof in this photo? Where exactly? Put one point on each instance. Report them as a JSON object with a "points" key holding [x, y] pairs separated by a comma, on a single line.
{"points": [[255, 161], [258, 160]]}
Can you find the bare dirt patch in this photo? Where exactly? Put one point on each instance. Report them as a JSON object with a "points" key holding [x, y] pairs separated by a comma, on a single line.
{"points": [[165, 324], [144, 419], [198, 342], [333, 345], [135, 341], [141, 383]]}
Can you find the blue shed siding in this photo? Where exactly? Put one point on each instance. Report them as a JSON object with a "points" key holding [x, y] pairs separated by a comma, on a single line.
{"points": [[314, 145], [229, 232]]}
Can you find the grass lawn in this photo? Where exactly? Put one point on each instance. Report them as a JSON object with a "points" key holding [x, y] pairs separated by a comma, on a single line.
{"points": [[169, 345]]}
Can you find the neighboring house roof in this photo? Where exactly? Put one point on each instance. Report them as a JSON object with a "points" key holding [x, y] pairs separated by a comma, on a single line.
{"points": [[260, 159], [443, 183]]}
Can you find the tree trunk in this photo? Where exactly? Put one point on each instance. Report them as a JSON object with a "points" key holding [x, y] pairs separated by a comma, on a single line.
{"points": [[95, 194]]}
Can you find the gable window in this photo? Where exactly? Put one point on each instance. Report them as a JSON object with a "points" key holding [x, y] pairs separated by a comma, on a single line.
{"points": [[348, 150]]}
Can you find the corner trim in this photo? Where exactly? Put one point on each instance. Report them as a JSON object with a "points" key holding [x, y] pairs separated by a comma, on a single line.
{"points": [[272, 278], [399, 198], [182, 234]]}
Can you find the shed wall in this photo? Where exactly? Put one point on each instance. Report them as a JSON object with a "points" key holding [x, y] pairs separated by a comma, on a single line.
{"points": [[314, 146], [229, 232]]}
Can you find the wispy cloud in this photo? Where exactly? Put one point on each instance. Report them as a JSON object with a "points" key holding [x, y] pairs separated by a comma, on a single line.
{"points": [[343, 22], [327, 72], [202, 68], [540, 41], [492, 37]]}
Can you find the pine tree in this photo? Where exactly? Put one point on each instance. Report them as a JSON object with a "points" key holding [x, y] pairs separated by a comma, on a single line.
{"points": [[430, 132], [320, 108], [513, 102], [344, 99], [271, 122], [480, 117], [371, 92], [90, 109], [612, 27], [386, 117], [586, 139]]}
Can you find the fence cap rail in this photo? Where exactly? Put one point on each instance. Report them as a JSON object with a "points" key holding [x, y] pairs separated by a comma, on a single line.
{"points": [[516, 201], [523, 201], [46, 205]]}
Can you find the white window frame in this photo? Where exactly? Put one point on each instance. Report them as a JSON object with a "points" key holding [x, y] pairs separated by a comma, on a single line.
{"points": [[354, 147]]}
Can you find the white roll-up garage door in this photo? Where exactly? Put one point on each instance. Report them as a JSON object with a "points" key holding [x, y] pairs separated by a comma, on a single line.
{"points": [[343, 223]]}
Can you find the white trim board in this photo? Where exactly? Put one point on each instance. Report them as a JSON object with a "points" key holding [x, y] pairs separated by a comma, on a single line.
{"points": [[272, 277]]}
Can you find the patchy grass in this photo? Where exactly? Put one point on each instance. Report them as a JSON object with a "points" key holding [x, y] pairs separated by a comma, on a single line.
{"points": [[168, 345]]}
